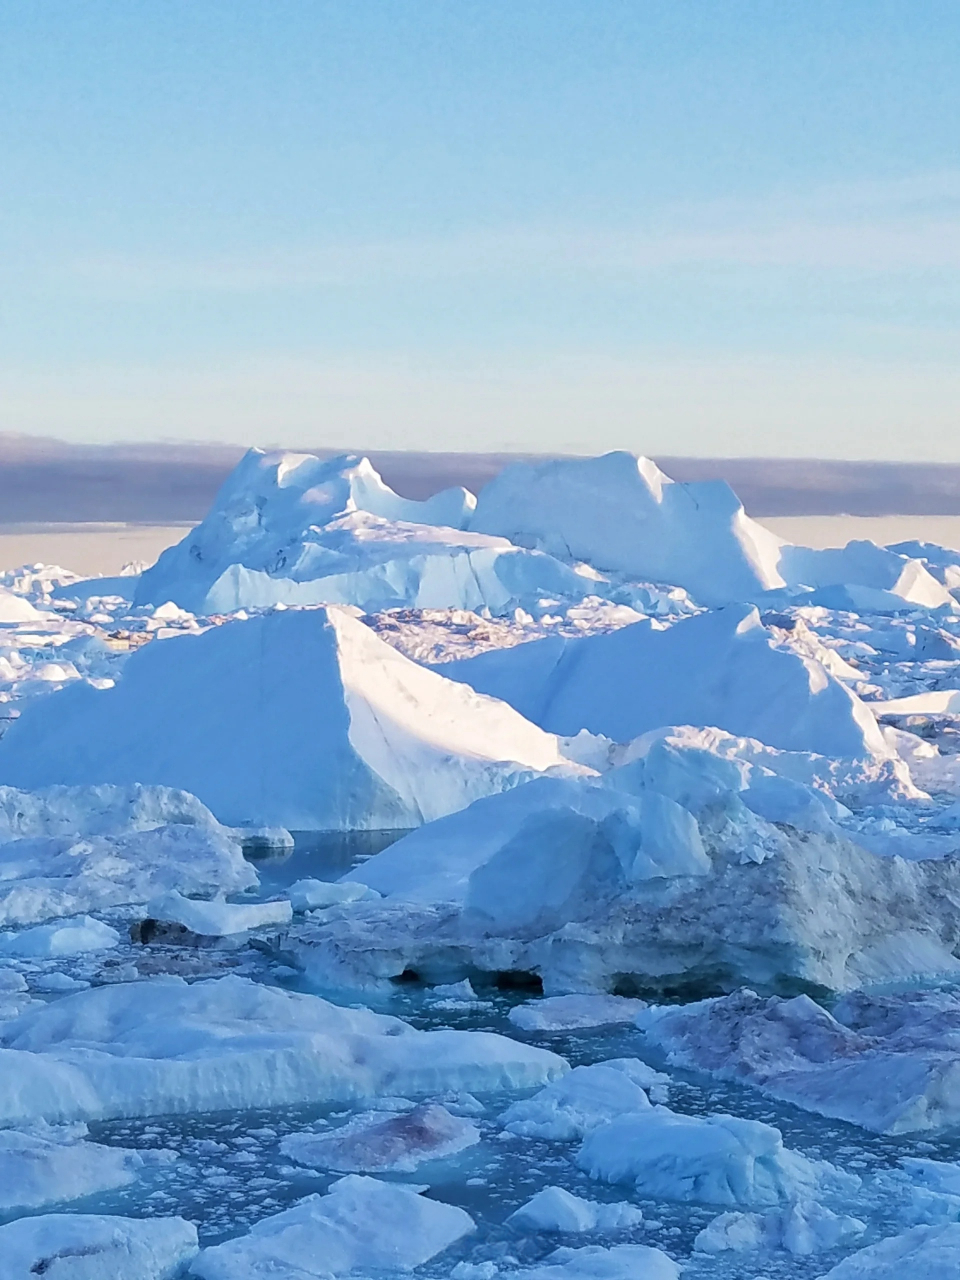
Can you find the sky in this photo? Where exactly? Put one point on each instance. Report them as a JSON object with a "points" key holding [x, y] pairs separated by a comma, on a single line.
{"points": [[706, 227]]}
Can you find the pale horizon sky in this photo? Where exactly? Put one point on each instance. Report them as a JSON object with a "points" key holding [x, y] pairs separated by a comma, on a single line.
{"points": [[719, 228]]}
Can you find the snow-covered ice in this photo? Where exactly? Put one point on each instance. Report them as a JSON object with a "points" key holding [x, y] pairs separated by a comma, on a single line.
{"points": [[585, 1098], [722, 668], [930, 1252], [47, 1165], [218, 919]]}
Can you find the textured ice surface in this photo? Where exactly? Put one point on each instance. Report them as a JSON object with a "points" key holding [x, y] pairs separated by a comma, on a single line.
{"points": [[47, 1165], [930, 1252], [887, 1063], [218, 918], [555, 1209]]}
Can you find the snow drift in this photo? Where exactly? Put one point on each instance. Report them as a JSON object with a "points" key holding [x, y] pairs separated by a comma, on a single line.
{"points": [[301, 719]]}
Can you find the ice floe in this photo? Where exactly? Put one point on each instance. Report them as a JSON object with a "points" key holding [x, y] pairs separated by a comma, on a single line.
{"points": [[47, 1165], [89, 1246], [378, 1143], [555, 1209], [587, 1097], [166, 1046], [360, 1226]]}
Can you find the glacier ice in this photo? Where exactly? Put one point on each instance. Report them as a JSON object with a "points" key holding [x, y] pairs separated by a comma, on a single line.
{"points": [[555, 1209], [378, 1143]]}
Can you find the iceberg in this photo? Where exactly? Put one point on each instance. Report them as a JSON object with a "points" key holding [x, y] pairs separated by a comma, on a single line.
{"points": [[621, 1262], [554, 1209], [621, 514], [801, 1229], [168, 1047], [218, 919], [46, 1166], [715, 1159], [15, 608], [46, 877], [264, 508], [722, 669], [60, 938], [300, 718], [574, 1012], [360, 1226], [589, 1096], [90, 1246], [873, 579]]}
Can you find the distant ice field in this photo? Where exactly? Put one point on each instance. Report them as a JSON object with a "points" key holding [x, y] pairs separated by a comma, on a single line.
{"points": [[105, 548]]}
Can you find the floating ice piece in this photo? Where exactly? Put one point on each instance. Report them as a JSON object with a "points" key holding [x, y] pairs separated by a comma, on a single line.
{"points": [[51, 1166], [554, 1209], [500, 886], [930, 1252], [218, 919], [90, 1246], [722, 668], [886, 1063], [621, 513], [46, 877], [360, 1225], [589, 1096], [303, 719], [569, 1013], [800, 1229], [165, 1047], [716, 1159], [309, 895], [61, 938], [373, 1143], [620, 1262]]}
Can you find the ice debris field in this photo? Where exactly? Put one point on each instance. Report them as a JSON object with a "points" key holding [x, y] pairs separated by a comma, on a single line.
{"points": [[556, 884]]}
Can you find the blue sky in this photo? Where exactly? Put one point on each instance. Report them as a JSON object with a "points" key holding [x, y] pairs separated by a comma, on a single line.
{"points": [[705, 228]]}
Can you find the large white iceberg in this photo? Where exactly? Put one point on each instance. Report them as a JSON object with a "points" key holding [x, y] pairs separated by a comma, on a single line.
{"points": [[90, 1246], [300, 718], [621, 514], [596, 888], [722, 668], [165, 1047], [266, 506], [359, 1227], [291, 529], [873, 579]]}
